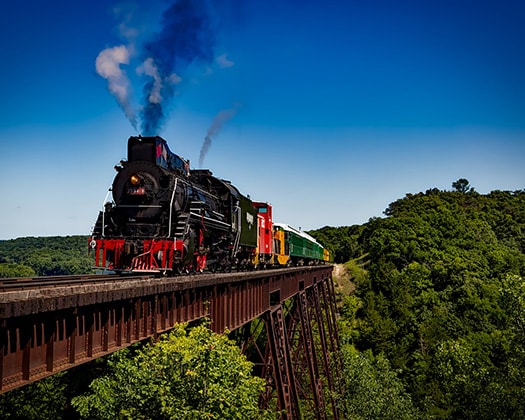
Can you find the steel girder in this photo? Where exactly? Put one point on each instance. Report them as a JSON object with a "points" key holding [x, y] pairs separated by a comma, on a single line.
{"points": [[298, 353]]}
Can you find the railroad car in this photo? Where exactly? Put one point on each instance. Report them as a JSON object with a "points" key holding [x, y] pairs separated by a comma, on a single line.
{"points": [[264, 254], [164, 217], [296, 247]]}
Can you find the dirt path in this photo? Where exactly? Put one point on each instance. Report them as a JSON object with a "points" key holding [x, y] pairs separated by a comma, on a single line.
{"points": [[339, 271], [342, 279]]}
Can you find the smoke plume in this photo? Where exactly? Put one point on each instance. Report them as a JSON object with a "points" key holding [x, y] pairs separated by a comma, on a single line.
{"points": [[214, 128], [224, 62], [186, 37], [108, 66]]}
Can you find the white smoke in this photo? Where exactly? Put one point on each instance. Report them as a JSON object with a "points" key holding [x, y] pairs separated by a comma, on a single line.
{"points": [[223, 61], [150, 69], [108, 66], [185, 39]]}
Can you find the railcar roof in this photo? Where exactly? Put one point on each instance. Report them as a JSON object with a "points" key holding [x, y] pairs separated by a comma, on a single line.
{"points": [[305, 235]]}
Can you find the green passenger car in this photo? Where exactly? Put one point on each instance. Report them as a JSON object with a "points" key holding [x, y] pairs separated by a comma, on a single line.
{"points": [[301, 247]]}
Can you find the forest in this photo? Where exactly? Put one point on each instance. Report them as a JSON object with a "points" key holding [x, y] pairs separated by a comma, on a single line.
{"points": [[439, 299], [432, 323], [45, 256]]}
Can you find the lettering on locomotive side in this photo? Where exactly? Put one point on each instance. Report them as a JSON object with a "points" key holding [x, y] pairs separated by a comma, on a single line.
{"points": [[249, 219]]}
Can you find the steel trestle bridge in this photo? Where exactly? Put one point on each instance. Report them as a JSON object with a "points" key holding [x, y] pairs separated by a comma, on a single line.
{"points": [[284, 319]]}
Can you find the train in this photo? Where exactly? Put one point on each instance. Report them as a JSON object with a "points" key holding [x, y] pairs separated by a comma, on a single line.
{"points": [[161, 217]]}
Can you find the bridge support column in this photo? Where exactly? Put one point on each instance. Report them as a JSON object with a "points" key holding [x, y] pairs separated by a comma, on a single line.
{"points": [[298, 354]]}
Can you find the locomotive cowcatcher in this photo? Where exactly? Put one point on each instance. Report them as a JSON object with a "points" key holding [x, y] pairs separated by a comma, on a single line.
{"points": [[166, 218]]}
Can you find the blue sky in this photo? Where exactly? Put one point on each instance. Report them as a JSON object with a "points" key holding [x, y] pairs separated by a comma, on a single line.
{"points": [[332, 109]]}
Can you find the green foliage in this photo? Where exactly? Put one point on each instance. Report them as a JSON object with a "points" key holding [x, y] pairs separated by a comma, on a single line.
{"points": [[357, 270], [462, 185], [513, 299], [188, 374], [16, 270], [373, 389], [46, 256], [443, 299], [341, 242], [44, 400], [471, 384]]}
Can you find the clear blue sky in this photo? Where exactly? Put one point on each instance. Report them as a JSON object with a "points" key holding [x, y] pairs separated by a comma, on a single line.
{"points": [[330, 110]]}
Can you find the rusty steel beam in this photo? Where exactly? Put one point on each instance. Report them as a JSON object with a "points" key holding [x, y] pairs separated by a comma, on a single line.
{"points": [[283, 371], [311, 357], [296, 354], [44, 331]]}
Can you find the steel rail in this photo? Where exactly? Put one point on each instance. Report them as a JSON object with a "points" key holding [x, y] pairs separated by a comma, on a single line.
{"points": [[21, 283]]}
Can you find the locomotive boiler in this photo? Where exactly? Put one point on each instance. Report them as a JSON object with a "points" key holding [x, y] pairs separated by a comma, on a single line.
{"points": [[166, 218]]}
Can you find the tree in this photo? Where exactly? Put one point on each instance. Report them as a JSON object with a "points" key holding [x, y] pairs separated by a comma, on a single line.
{"points": [[47, 256], [189, 374], [462, 185], [443, 301], [373, 389], [470, 382], [44, 399]]}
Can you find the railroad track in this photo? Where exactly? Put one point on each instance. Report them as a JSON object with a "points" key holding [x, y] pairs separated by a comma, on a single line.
{"points": [[22, 283], [17, 284]]}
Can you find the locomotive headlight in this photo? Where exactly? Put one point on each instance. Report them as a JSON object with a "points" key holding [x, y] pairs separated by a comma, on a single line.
{"points": [[135, 179]]}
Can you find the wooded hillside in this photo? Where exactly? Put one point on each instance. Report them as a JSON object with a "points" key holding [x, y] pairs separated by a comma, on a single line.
{"points": [[45, 256], [439, 294]]}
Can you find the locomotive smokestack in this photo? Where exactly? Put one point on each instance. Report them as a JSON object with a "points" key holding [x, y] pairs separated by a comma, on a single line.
{"points": [[215, 126]]}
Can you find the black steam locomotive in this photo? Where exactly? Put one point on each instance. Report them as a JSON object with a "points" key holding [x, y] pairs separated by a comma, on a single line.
{"points": [[165, 218]]}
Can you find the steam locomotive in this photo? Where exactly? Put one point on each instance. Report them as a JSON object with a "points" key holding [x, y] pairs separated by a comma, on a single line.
{"points": [[165, 218]]}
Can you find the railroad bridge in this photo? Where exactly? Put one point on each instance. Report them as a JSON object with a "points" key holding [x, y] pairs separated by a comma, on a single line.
{"points": [[53, 326]]}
